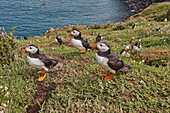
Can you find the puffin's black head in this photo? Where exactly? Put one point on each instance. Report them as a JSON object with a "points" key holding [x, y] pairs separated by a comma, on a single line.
{"points": [[103, 47], [75, 33], [138, 41], [57, 37], [31, 49], [100, 34]]}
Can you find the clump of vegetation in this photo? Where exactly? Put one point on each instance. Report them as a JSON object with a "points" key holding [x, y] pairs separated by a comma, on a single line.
{"points": [[95, 26], [7, 47], [164, 41], [119, 27]]}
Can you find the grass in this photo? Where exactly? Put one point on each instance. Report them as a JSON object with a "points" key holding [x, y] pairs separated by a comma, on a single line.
{"points": [[74, 85]]}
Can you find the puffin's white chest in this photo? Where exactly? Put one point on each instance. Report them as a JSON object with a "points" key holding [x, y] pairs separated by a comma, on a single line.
{"points": [[77, 44], [35, 62], [136, 48], [103, 62], [56, 40]]}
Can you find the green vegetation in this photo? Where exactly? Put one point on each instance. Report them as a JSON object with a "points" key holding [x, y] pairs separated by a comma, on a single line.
{"points": [[74, 85], [7, 47]]}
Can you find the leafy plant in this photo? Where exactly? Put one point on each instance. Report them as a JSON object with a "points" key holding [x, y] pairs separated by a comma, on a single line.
{"points": [[7, 47], [119, 27]]}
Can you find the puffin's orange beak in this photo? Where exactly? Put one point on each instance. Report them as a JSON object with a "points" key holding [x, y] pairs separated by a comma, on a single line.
{"points": [[125, 49], [95, 47], [70, 35], [23, 52]]}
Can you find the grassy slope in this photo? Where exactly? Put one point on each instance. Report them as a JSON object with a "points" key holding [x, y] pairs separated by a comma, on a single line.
{"points": [[79, 89]]}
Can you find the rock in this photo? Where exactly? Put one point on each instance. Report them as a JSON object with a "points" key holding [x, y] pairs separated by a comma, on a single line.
{"points": [[44, 3], [49, 30], [132, 11], [139, 5]]}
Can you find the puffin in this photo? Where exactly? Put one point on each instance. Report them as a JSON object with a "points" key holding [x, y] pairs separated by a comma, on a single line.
{"points": [[137, 46], [126, 51], [38, 60], [58, 40], [78, 42], [92, 33], [134, 26], [110, 61], [25, 38], [99, 37]]}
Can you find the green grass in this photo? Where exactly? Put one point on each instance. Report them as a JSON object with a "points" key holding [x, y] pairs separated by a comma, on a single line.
{"points": [[78, 86]]}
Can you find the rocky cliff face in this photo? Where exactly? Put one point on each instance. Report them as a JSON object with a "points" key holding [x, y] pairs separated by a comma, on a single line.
{"points": [[139, 5]]}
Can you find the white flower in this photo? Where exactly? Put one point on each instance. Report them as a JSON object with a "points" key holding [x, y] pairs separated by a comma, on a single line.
{"points": [[7, 94], [6, 88], [4, 105], [25, 106], [143, 60], [142, 81], [2, 111], [164, 40], [101, 86], [0, 76], [1, 87]]}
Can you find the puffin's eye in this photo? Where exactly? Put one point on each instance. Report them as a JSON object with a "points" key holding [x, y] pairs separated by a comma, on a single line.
{"points": [[30, 47], [101, 45]]}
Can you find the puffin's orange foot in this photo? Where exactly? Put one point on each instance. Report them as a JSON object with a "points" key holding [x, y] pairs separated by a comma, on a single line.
{"points": [[102, 75], [42, 77], [43, 71], [109, 77], [83, 51]]}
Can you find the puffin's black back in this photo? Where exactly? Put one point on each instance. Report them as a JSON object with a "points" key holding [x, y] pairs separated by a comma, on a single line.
{"points": [[59, 40], [98, 38]]}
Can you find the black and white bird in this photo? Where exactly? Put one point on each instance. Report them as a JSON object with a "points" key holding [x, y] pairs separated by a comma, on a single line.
{"points": [[92, 33], [58, 40], [126, 52], [158, 29], [25, 38], [137, 46], [38, 60], [110, 61], [78, 42], [134, 26], [99, 37], [149, 24]]}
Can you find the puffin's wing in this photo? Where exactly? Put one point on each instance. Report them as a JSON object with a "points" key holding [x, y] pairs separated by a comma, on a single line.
{"points": [[47, 61], [115, 62], [59, 40], [122, 51], [97, 39], [86, 44]]}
